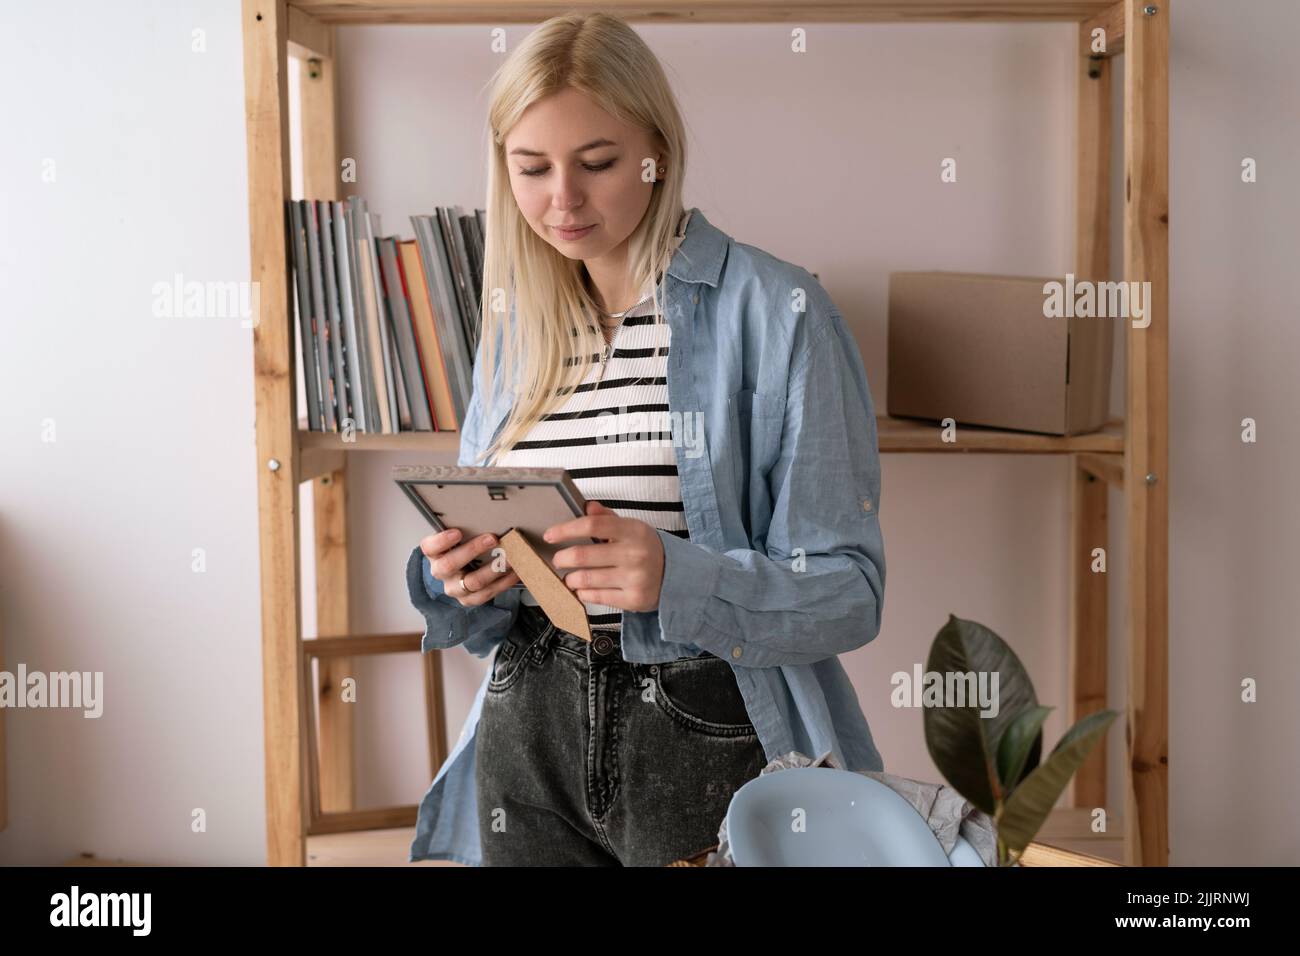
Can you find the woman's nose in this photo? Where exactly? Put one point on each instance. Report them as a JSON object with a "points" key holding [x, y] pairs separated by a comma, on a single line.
{"points": [[567, 196]]}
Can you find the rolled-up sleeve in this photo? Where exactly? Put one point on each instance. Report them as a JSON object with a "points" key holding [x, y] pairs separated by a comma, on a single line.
{"points": [[447, 621], [817, 589]]}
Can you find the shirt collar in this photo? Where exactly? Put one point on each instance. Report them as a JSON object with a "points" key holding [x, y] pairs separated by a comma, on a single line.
{"points": [[696, 250], [699, 254]]}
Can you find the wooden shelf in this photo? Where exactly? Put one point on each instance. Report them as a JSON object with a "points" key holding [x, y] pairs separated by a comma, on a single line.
{"points": [[898, 435], [914, 435], [708, 11], [401, 441]]}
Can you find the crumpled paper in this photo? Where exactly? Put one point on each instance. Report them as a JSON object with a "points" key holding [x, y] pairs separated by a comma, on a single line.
{"points": [[948, 813]]}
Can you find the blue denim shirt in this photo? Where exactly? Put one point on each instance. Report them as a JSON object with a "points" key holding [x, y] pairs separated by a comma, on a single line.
{"points": [[775, 438]]}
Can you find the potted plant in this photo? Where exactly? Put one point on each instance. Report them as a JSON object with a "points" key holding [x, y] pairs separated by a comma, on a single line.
{"points": [[991, 756]]}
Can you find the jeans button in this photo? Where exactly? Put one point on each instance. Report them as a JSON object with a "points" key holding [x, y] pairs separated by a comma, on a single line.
{"points": [[602, 645]]}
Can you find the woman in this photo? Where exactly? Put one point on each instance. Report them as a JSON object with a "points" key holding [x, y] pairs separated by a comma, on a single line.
{"points": [[717, 418]]}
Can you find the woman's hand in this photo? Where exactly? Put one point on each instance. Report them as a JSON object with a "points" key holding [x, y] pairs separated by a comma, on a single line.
{"points": [[626, 570], [447, 563]]}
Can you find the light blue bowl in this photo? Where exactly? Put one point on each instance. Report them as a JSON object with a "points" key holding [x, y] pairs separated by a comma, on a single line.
{"points": [[963, 854], [847, 819]]}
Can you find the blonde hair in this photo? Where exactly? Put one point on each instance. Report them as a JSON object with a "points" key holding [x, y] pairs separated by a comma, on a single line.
{"points": [[533, 297]]}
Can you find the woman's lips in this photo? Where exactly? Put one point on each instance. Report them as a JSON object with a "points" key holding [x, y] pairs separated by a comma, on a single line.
{"points": [[572, 234]]}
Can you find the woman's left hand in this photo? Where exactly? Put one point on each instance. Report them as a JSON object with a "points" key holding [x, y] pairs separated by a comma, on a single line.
{"points": [[626, 570]]}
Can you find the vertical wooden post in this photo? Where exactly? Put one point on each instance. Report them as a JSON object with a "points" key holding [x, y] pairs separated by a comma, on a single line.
{"points": [[337, 727], [1088, 625], [435, 710], [1088, 590], [317, 83], [1146, 446], [265, 26]]}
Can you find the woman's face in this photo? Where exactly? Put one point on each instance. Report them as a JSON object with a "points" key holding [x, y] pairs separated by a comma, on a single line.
{"points": [[572, 164]]}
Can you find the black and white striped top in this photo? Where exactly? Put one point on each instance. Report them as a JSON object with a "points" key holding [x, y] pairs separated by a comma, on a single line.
{"points": [[617, 442]]}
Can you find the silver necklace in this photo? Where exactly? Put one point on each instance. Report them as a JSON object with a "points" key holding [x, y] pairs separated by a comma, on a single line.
{"points": [[609, 344], [613, 330]]}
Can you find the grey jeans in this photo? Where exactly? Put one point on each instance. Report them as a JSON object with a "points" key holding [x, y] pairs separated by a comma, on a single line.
{"points": [[584, 759]]}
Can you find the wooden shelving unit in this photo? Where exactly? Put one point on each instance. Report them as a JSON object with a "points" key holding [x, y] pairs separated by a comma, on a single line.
{"points": [[309, 789]]}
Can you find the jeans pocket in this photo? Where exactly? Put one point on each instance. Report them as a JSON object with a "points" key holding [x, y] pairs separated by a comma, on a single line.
{"points": [[509, 662], [701, 694]]}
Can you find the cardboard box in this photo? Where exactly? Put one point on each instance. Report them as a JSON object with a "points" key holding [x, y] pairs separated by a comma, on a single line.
{"points": [[978, 349]]}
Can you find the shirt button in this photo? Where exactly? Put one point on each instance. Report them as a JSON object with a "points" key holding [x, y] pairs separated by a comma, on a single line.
{"points": [[736, 651], [866, 504], [695, 298]]}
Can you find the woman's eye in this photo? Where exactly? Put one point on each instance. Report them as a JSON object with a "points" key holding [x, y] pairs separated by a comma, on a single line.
{"points": [[598, 167]]}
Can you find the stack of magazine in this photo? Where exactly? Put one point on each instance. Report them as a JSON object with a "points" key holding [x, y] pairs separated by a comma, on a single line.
{"points": [[388, 326]]}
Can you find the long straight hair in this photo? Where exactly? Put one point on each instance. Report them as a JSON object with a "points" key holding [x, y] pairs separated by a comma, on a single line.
{"points": [[534, 298]]}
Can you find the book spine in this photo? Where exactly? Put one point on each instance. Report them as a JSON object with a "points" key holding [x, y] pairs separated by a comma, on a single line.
{"points": [[417, 398], [467, 276], [319, 325], [342, 392], [450, 333], [403, 409], [302, 295], [424, 360], [468, 254], [457, 276], [437, 378], [474, 243], [374, 342], [368, 317], [348, 299], [372, 250]]}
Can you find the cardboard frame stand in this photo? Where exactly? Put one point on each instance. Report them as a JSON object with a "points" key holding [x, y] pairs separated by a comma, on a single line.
{"points": [[561, 605]]}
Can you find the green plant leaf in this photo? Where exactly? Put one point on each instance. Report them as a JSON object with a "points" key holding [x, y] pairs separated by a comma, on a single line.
{"points": [[963, 744], [1081, 728], [1017, 742], [1030, 803], [1035, 754]]}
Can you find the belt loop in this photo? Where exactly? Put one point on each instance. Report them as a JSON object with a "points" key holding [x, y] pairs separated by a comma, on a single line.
{"points": [[544, 639]]}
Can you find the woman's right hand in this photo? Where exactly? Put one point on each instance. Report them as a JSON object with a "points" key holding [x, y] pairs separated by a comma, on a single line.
{"points": [[447, 561]]}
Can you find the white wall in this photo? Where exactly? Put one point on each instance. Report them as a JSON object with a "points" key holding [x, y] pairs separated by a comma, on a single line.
{"points": [[153, 419], [829, 159]]}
